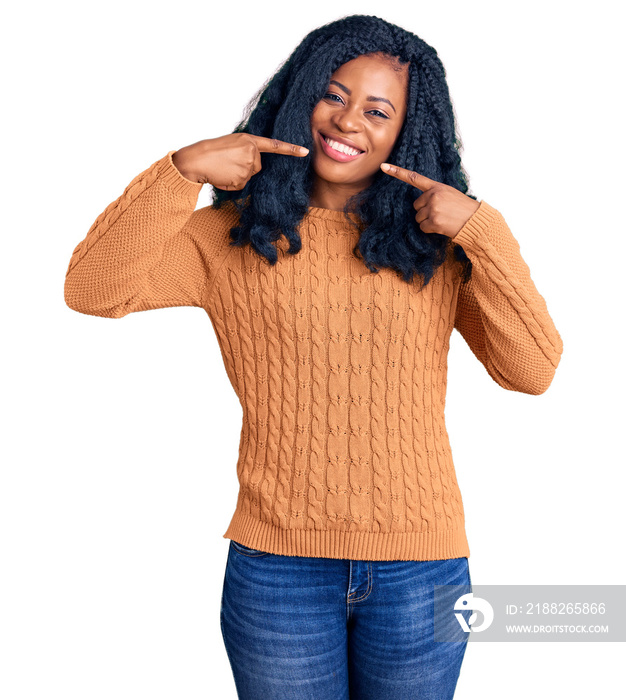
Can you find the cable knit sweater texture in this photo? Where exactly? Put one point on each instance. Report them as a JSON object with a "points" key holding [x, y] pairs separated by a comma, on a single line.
{"points": [[341, 372]]}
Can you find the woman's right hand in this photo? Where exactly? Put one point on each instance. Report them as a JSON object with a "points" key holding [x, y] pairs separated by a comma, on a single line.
{"points": [[228, 162]]}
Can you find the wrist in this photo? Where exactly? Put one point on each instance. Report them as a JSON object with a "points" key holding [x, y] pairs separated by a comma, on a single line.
{"points": [[181, 163]]}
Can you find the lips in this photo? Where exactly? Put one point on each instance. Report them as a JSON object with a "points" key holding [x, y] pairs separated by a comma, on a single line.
{"points": [[335, 154]]}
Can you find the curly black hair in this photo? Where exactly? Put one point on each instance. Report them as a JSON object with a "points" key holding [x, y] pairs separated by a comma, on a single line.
{"points": [[275, 200]]}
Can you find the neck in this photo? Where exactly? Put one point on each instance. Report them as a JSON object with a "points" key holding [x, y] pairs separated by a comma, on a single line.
{"points": [[331, 195]]}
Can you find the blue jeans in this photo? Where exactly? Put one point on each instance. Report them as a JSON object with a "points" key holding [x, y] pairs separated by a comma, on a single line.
{"points": [[300, 628]]}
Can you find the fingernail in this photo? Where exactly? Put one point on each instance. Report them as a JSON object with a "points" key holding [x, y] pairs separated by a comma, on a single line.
{"points": [[385, 166], [304, 150]]}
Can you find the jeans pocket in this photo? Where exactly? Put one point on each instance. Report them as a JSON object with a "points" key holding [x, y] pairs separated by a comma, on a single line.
{"points": [[247, 551]]}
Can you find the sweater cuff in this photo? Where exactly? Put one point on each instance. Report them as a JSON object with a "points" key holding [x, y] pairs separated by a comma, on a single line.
{"points": [[175, 180], [469, 237]]}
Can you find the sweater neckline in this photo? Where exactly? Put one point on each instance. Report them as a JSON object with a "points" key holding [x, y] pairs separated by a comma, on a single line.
{"points": [[332, 215]]}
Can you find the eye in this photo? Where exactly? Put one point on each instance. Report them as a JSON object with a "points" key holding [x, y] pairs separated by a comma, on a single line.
{"points": [[331, 95], [378, 113]]}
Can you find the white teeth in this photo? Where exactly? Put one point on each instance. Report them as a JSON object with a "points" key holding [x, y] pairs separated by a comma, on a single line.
{"points": [[341, 147]]}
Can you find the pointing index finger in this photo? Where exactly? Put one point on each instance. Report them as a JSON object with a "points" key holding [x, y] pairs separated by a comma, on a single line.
{"points": [[409, 176], [266, 145]]}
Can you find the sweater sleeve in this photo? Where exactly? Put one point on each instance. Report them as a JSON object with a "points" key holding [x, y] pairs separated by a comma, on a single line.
{"points": [[140, 253], [500, 313]]}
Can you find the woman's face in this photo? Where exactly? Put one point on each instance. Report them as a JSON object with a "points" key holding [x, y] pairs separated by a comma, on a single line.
{"points": [[355, 127]]}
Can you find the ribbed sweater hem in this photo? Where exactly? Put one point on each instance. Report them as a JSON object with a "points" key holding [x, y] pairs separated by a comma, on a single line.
{"points": [[338, 544]]}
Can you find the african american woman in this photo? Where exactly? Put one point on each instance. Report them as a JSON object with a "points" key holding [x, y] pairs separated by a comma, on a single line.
{"points": [[340, 251]]}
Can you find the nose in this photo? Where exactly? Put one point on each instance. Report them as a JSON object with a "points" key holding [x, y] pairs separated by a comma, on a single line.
{"points": [[347, 119]]}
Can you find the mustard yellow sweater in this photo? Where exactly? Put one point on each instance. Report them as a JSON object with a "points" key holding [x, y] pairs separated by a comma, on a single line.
{"points": [[341, 372]]}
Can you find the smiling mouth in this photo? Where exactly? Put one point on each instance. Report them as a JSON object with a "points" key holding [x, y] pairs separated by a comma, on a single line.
{"points": [[338, 151]]}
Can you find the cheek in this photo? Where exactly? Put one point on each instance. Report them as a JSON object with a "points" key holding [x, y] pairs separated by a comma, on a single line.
{"points": [[387, 144], [317, 116], [381, 145]]}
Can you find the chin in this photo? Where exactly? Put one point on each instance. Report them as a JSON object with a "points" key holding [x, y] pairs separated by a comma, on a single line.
{"points": [[340, 175]]}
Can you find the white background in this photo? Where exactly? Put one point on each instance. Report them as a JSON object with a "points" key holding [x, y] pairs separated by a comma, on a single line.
{"points": [[120, 437]]}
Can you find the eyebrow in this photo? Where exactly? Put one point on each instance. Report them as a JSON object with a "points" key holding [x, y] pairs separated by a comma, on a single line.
{"points": [[371, 98]]}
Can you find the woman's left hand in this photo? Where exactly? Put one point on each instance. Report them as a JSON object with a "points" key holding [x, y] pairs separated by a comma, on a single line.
{"points": [[441, 208]]}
